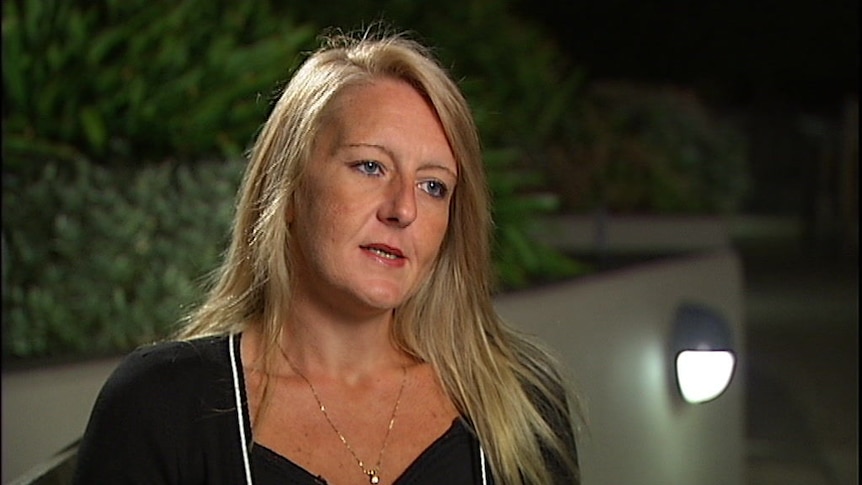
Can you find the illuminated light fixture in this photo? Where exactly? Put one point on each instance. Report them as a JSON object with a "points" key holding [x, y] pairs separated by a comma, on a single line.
{"points": [[702, 348]]}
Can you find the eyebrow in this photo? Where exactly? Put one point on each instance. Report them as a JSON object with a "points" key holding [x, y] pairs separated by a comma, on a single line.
{"points": [[372, 145], [391, 155], [428, 166]]}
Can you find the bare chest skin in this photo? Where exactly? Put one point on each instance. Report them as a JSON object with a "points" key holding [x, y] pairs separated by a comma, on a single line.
{"points": [[294, 426]]}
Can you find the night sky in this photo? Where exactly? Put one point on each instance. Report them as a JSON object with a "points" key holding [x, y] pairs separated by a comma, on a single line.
{"points": [[793, 54]]}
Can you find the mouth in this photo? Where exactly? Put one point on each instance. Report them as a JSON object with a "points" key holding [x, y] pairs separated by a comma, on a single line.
{"points": [[384, 251]]}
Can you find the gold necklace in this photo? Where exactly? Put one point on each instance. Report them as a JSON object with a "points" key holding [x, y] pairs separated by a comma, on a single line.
{"points": [[374, 472]]}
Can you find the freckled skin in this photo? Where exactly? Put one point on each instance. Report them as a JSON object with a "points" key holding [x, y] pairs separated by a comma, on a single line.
{"points": [[372, 211]]}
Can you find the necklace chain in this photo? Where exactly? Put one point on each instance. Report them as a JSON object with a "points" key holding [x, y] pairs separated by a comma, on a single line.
{"points": [[373, 472]]}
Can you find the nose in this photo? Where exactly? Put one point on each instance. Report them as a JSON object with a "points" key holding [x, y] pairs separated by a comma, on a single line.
{"points": [[399, 207]]}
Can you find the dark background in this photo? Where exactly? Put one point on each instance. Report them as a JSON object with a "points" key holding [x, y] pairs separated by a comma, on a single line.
{"points": [[786, 72], [769, 54]]}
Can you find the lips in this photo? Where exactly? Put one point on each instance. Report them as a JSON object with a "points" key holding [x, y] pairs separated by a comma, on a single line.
{"points": [[384, 251]]}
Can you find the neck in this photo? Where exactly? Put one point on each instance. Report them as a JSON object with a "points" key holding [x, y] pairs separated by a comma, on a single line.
{"points": [[338, 346]]}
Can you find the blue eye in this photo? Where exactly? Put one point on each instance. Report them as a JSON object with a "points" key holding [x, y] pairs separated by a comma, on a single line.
{"points": [[369, 167], [435, 188]]}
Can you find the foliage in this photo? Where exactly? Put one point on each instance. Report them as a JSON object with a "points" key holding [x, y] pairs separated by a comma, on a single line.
{"points": [[111, 215], [517, 79], [116, 263], [520, 260], [124, 81], [654, 150]]}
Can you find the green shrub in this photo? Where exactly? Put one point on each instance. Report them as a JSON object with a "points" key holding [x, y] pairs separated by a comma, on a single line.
{"points": [[519, 259], [103, 260], [651, 149], [125, 81], [105, 246]]}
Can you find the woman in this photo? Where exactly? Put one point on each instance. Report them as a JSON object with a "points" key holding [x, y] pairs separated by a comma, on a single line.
{"points": [[350, 336]]}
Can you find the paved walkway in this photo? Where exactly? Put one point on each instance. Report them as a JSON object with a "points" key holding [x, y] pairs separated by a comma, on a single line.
{"points": [[802, 331]]}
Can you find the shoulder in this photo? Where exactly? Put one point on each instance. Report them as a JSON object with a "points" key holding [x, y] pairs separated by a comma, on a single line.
{"points": [[165, 379], [192, 354], [149, 415], [171, 363]]}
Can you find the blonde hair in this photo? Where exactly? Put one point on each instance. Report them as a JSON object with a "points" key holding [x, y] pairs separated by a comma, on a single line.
{"points": [[505, 384]]}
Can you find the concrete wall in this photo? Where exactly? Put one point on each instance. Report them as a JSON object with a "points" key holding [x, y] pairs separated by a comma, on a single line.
{"points": [[611, 330], [45, 410]]}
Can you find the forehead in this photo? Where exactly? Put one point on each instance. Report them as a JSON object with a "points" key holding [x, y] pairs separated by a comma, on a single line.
{"points": [[379, 95], [386, 110]]}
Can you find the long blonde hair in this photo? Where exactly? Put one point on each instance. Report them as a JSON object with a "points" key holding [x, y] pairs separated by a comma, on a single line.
{"points": [[504, 383]]}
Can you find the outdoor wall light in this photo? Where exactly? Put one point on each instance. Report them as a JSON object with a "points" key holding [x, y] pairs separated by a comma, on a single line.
{"points": [[703, 353]]}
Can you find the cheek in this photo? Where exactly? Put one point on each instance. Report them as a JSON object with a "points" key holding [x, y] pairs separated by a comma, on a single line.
{"points": [[434, 234], [316, 203], [325, 220], [309, 219]]}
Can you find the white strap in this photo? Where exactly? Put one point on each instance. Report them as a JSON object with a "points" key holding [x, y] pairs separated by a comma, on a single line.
{"points": [[239, 409], [482, 465]]}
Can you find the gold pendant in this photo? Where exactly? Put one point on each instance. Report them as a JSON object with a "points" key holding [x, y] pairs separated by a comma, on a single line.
{"points": [[373, 478]]}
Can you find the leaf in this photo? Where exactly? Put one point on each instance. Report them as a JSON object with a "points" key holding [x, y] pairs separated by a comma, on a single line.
{"points": [[94, 128]]}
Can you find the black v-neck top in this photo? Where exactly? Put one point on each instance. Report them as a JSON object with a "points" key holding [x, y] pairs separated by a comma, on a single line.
{"points": [[452, 458], [168, 415]]}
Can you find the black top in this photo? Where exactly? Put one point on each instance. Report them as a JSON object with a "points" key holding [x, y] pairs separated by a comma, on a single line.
{"points": [[168, 415], [453, 458]]}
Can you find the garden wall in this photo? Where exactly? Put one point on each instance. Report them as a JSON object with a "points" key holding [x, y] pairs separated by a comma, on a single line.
{"points": [[612, 330]]}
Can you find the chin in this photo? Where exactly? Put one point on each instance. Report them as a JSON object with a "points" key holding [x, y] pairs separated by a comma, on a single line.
{"points": [[380, 302], [384, 298]]}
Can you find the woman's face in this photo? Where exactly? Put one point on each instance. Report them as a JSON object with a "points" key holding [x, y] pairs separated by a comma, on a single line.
{"points": [[372, 210]]}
